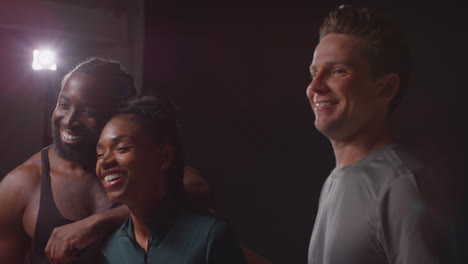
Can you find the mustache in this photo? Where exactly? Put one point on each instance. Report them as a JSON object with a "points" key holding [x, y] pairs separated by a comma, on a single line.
{"points": [[73, 129]]}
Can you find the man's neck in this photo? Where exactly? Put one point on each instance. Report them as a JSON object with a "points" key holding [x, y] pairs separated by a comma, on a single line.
{"points": [[87, 166], [351, 150]]}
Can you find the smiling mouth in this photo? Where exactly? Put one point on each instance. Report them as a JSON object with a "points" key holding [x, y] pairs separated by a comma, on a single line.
{"points": [[112, 177], [323, 104], [69, 137]]}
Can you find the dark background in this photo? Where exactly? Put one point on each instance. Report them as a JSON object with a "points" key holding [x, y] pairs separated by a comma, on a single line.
{"points": [[239, 71]]}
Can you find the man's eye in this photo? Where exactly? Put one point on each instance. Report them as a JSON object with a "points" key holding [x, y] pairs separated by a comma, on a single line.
{"points": [[62, 105], [88, 111], [338, 71]]}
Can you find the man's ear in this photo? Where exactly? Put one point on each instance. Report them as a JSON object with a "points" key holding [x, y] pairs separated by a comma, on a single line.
{"points": [[389, 85]]}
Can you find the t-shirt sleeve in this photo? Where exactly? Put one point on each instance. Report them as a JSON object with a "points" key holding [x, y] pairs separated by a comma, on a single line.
{"points": [[223, 247], [403, 218]]}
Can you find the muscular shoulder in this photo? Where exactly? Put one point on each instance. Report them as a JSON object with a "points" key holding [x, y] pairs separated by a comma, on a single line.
{"points": [[17, 189], [24, 179]]}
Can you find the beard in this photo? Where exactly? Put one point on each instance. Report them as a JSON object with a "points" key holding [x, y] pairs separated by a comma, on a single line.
{"points": [[83, 153]]}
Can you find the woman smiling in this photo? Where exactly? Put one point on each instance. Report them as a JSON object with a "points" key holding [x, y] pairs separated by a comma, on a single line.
{"points": [[140, 164]]}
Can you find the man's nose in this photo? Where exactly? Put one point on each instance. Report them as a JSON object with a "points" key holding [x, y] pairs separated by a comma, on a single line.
{"points": [[71, 118], [319, 83]]}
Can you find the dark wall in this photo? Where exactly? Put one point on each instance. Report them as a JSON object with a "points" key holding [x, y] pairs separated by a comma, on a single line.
{"points": [[22, 101], [239, 71]]}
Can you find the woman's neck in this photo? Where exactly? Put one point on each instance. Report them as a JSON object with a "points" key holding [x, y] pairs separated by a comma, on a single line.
{"points": [[141, 232], [143, 214]]}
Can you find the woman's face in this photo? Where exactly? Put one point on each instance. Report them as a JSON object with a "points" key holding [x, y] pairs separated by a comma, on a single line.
{"points": [[130, 162]]}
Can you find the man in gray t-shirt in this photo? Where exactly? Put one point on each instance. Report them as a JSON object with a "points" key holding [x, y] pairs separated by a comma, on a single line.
{"points": [[370, 209]]}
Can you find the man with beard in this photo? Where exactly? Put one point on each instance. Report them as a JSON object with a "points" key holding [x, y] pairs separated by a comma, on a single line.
{"points": [[53, 207], [370, 208]]}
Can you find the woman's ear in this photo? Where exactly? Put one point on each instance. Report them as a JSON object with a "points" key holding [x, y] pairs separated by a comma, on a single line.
{"points": [[167, 153]]}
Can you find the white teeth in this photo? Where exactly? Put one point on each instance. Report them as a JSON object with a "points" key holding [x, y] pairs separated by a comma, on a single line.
{"points": [[112, 177], [323, 104], [67, 136]]}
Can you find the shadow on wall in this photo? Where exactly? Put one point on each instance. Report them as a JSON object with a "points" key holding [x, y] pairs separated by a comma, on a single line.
{"points": [[429, 131]]}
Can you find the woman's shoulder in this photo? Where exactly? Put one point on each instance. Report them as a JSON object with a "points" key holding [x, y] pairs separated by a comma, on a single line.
{"points": [[201, 219]]}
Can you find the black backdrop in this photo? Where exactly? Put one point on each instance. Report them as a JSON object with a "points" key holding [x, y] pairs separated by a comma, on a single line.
{"points": [[238, 71]]}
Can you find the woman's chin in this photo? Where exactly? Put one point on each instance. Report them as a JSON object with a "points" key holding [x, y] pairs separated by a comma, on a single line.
{"points": [[116, 197]]}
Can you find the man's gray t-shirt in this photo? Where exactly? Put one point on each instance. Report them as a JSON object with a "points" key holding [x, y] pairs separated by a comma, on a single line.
{"points": [[371, 212]]}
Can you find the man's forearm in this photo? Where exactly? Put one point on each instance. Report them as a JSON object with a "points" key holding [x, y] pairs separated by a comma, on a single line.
{"points": [[66, 239], [109, 220]]}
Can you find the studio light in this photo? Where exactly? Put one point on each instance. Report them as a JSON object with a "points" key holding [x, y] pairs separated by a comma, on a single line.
{"points": [[44, 60]]}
